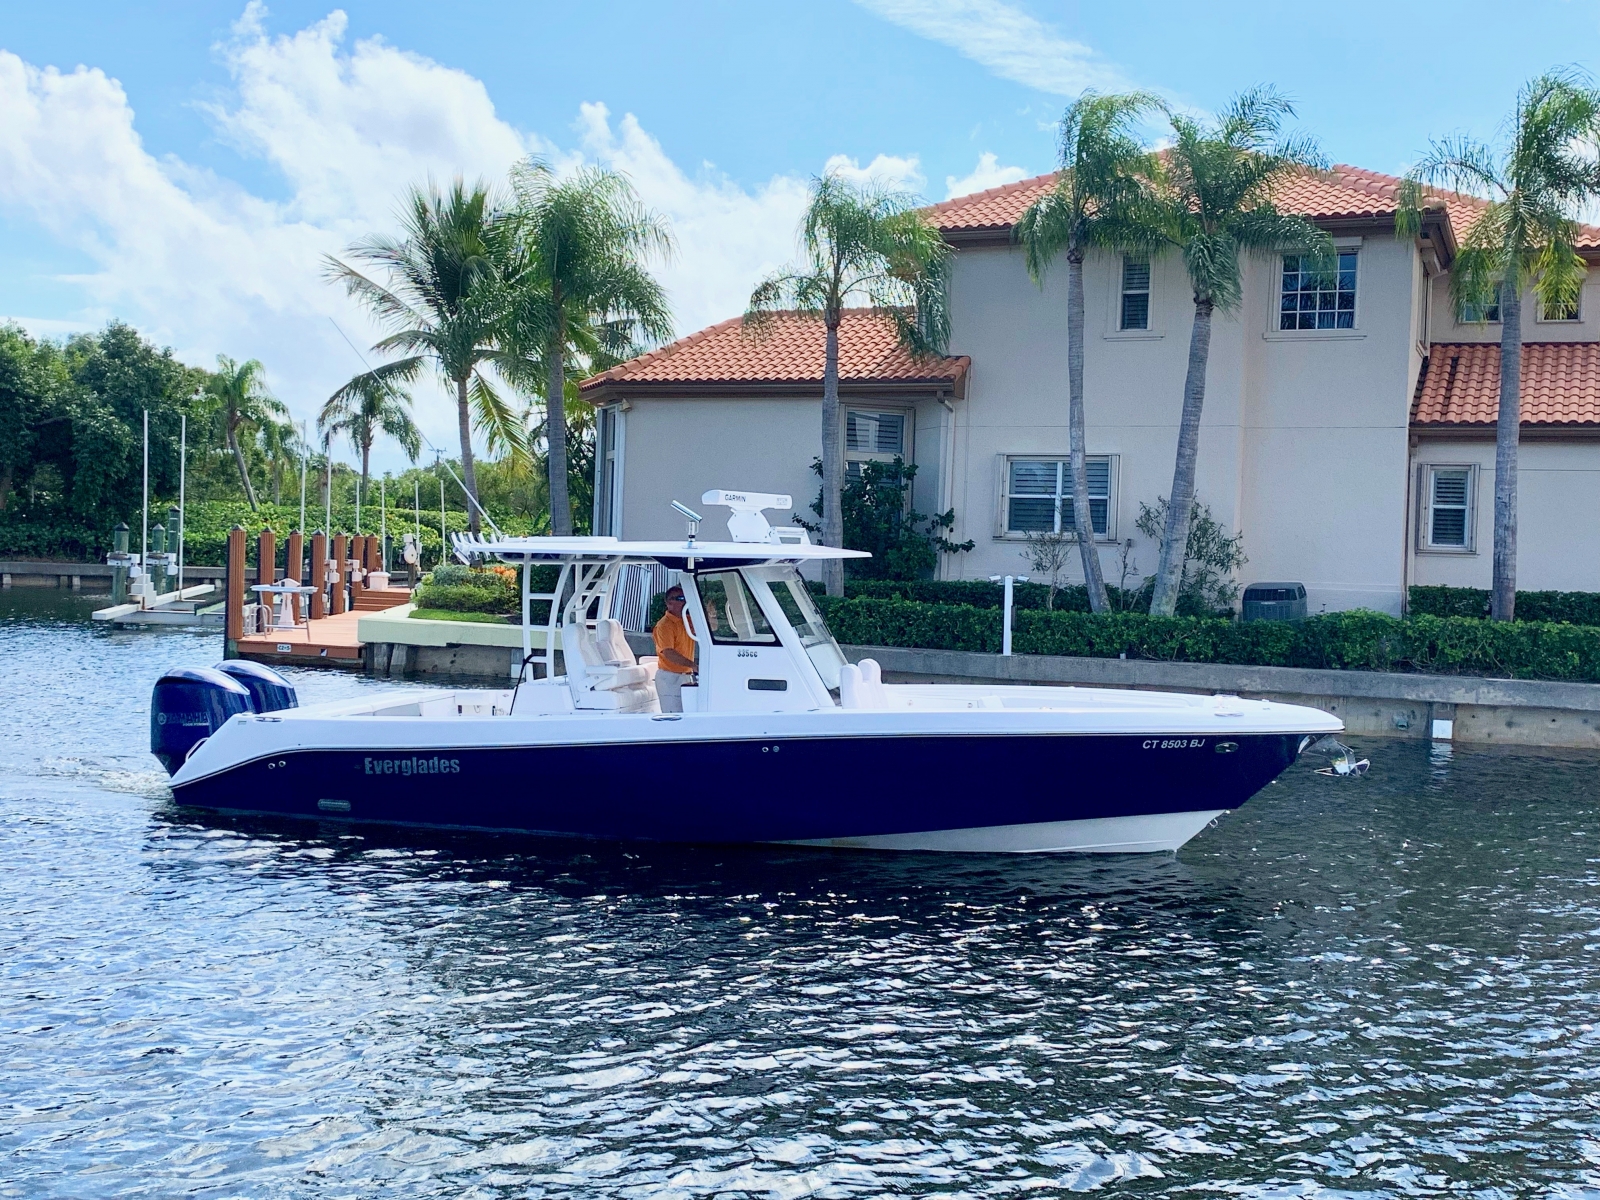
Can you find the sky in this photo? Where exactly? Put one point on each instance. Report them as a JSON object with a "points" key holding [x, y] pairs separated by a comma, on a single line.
{"points": [[187, 166]]}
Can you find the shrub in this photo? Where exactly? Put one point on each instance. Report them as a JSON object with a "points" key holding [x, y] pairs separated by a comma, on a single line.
{"points": [[492, 589], [878, 517], [1211, 559], [1356, 640], [1575, 608]]}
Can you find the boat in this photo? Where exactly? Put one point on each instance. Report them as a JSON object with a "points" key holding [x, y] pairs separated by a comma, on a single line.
{"points": [[781, 738]]}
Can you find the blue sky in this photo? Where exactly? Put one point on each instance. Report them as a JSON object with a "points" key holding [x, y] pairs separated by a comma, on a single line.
{"points": [[184, 166]]}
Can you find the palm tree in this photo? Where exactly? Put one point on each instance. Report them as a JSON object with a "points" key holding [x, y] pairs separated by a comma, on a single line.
{"points": [[584, 293], [1215, 188], [280, 443], [240, 393], [871, 244], [1104, 169], [1534, 187], [450, 281], [364, 408]]}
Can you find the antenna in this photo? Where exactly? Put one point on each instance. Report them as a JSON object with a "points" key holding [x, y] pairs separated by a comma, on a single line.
{"points": [[746, 524], [692, 517]]}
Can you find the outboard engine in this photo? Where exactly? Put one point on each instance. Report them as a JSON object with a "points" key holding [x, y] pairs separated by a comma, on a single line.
{"points": [[189, 705], [268, 690]]}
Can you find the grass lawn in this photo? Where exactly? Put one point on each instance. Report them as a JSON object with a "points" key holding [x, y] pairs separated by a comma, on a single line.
{"points": [[445, 614]]}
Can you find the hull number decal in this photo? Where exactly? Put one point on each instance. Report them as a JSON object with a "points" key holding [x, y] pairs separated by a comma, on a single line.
{"points": [[1173, 743]]}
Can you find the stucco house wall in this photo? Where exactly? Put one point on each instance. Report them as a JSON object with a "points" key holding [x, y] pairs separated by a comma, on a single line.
{"points": [[1310, 441], [678, 449], [1296, 425], [1444, 327], [1558, 516]]}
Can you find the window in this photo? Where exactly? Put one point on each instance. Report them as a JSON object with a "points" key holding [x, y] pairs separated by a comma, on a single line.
{"points": [[1135, 293], [794, 600], [873, 437], [1038, 495], [1318, 299], [732, 613], [1473, 314], [608, 473], [1550, 312], [1447, 508]]}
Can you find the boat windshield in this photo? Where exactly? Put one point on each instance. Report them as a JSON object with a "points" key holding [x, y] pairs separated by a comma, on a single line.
{"points": [[794, 598]]}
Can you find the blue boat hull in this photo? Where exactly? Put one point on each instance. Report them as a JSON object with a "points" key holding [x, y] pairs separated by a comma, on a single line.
{"points": [[759, 791]]}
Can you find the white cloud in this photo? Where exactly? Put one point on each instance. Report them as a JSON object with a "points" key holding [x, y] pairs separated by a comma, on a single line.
{"points": [[350, 132], [200, 263], [987, 174], [50, 327], [728, 238], [1006, 40], [886, 170]]}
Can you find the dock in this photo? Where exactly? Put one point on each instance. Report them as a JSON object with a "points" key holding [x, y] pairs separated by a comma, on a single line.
{"points": [[321, 627], [326, 641]]}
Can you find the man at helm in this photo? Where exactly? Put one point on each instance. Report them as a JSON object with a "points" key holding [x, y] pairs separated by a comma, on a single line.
{"points": [[674, 652]]}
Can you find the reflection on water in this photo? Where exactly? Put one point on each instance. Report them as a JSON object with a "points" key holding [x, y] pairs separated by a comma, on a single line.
{"points": [[1382, 987]]}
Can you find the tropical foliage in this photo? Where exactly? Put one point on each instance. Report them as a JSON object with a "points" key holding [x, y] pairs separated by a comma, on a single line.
{"points": [[879, 519], [71, 445], [583, 296], [445, 289], [241, 399], [1213, 204], [364, 408], [863, 244], [1534, 184], [1101, 191]]}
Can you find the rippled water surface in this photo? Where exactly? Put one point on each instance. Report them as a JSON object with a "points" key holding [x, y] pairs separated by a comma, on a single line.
{"points": [[1385, 987]]}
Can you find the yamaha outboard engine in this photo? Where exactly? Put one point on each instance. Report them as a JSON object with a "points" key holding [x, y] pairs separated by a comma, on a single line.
{"points": [[268, 690], [188, 706]]}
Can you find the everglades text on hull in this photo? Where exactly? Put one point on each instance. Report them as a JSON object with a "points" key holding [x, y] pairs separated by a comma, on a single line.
{"points": [[780, 739]]}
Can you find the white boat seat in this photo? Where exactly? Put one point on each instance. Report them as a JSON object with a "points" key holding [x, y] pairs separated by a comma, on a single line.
{"points": [[861, 685], [610, 676], [611, 643]]}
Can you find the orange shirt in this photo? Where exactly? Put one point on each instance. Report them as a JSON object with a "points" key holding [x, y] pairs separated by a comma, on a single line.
{"points": [[670, 633]]}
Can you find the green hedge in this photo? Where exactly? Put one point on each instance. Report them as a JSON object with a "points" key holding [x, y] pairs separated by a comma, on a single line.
{"points": [[1357, 640], [1574, 608]]}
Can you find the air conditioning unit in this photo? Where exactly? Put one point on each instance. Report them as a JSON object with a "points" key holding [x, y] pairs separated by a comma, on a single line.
{"points": [[1275, 602]]}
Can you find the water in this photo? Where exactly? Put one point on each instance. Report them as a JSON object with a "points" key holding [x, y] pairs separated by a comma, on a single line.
{"points": [[1383, 987]]}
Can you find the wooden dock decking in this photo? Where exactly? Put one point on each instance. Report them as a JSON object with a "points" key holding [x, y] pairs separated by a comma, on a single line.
{"points": [[328, 641]]}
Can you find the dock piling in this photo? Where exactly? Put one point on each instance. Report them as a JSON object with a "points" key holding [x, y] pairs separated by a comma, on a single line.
{"points": [[119, 563], [319, 575], [340, 566], [267, 557], [234, 627], [294, 564]]}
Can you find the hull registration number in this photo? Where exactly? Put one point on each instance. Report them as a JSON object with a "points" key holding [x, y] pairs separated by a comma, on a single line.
{"points": [[1173, 743]]}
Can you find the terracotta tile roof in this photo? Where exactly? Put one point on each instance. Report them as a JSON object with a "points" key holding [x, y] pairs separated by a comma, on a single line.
{"points": [[1341, 193], [791, 352], [996, 209], [1560, 385]]}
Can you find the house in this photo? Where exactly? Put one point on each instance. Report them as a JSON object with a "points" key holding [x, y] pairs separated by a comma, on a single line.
{"points": [[1348, 429]]}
